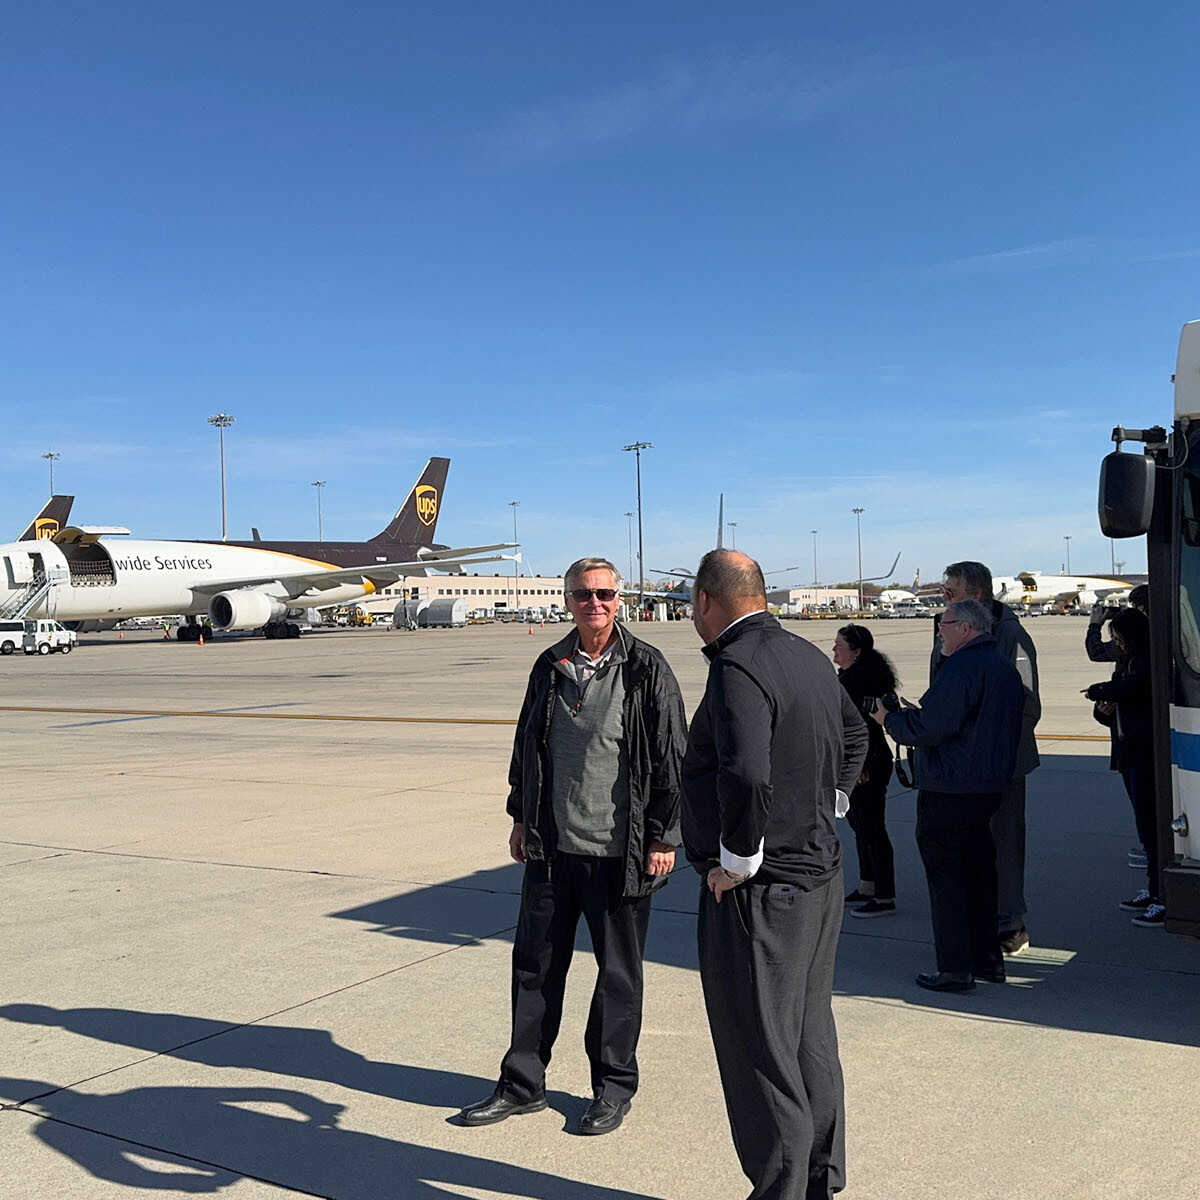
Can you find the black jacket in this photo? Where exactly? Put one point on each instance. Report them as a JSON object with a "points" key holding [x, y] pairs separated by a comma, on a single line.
{"points": [[869, 678], [1132, 726], [656, 733], [968, 727], [774, 738]]}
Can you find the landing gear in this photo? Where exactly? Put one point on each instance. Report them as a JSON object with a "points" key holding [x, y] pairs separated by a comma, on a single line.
{"points": [[281, 629], [192, 631]]}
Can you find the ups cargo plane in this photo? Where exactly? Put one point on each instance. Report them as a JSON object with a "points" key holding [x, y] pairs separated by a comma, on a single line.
{"points": [[90, 578]]}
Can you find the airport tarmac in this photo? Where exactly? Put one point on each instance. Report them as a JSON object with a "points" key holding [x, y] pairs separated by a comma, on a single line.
{"points": [[257, 917]]}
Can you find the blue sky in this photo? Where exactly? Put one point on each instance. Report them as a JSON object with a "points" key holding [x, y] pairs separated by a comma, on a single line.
{"points": [[917, 258]]}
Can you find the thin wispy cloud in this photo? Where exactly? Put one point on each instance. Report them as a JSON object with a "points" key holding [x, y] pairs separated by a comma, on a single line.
{"points": [[1073, 251], [769, 87]]}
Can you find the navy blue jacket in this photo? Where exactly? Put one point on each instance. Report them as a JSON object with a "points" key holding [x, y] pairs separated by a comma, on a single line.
{"points": [[968, 727]]}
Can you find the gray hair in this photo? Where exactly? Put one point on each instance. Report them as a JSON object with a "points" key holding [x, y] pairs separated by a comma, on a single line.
{"points": [[582, 565], [975, 577], [972, 613]]}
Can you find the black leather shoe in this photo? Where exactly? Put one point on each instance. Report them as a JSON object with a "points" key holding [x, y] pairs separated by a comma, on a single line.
{"points": [[498, 1107], [945, 981], [991, 975], [602, 1116]]}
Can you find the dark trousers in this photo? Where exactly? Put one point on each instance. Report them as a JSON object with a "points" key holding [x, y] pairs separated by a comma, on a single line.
{"points": [[868, 803], [552, 901], [1138, 773], [766, 965], [960, 867], [1008, 834]]}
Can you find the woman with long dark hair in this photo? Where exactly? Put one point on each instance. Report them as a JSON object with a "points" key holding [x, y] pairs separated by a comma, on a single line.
{"points": [[1123, 704], [866, 675]]}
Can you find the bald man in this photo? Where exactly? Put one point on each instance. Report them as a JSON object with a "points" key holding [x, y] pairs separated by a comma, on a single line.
{"points": [[774, 741]]}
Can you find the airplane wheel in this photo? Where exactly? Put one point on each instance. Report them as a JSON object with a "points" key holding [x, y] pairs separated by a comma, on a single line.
{"points": [[187, 633], [44, 648], [270, 632], [65, 648], [207, 631], [293, 630]]}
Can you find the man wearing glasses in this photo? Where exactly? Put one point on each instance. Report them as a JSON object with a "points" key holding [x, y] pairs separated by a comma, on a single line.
{"points": [[594, 801], [966, 732], [973, 581]]}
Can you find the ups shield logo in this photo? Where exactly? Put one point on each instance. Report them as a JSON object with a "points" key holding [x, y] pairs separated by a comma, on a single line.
{"points": [[45, 528], [427, 504]]}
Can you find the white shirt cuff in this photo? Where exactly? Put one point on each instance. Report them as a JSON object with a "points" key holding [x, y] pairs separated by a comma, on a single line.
{"points": [[738, 865], [841, 803]]}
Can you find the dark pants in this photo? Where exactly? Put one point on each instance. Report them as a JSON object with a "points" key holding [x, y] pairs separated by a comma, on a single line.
{"points": [[552, 902], [960, 868], [766, 964], [1008, 834], [868, 803], [1138, 773]]}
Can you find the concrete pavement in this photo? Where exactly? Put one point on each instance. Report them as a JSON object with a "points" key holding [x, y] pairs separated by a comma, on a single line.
{"points": [[260, 950]]}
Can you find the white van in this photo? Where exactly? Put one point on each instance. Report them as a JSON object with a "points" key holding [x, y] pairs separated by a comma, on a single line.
{"points": [[12, 635], [42, 636]]}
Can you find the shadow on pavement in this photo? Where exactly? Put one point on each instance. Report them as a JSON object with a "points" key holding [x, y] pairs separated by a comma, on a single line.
{"points": [[188, 1138]]}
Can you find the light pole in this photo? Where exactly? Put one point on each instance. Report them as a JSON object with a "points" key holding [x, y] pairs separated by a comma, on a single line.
{"points": [[858, 512], [222, 421], [319, 484], [629, 526], [514, 505], [637, 448], [51, 457], [733, 534], [1067, 539]]}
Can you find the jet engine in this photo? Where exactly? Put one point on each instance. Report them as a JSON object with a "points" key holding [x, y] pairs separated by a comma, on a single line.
{"points": [[244, 610]]}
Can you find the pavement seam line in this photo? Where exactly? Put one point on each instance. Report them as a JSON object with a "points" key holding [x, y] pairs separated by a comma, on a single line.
{"points": [[255, 716], [204, 1162]]}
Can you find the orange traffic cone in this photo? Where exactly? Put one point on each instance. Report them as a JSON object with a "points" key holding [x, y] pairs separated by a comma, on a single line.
{"points": [[200, 640], [531, 631], [121, 635]]}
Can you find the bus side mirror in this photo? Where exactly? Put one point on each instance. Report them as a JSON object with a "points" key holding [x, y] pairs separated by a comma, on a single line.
{"points": [[1126, 494]]}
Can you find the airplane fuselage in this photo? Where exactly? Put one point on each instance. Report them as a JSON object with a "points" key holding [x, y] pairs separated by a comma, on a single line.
{"points": [[134, 577]]}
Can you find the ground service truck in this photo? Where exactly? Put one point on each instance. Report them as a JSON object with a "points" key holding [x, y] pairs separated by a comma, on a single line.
{"points": [[1156, 494]]}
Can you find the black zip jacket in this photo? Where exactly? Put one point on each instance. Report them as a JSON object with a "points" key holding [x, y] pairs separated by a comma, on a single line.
{"points": [[775, 737], [869, 677], [655, 732], [969, 725], [1132, 727]]}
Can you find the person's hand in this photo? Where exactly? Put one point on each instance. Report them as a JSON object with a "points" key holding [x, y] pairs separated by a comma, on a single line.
{"points": [[879, 713], [719, 882], [864, 777], [660, 859], [1100, 614], [516, 842], [1106, 708]]}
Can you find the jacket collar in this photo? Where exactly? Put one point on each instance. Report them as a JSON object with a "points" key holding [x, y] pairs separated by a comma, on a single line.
{"points": [[758, 620]]}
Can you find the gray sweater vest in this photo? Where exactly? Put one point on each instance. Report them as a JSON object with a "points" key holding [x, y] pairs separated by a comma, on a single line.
{"points": [[589, 764]]}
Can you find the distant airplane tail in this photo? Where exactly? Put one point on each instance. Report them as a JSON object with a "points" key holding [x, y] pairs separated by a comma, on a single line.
{"points": [[416, 519], [50, 520]]}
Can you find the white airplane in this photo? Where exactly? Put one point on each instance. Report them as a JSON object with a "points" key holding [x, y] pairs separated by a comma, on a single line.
{"points": [[1027, 588], [83, 578]]}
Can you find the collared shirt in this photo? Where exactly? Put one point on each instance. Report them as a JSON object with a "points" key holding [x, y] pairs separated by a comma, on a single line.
{"points": [[732, 623]]}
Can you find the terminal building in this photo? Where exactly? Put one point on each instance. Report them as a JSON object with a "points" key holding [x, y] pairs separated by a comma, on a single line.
{"points": [[482, 595]]}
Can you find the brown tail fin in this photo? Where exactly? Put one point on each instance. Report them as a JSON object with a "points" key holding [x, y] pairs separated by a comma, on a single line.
{"points": [[416, 519], [50, 520]]}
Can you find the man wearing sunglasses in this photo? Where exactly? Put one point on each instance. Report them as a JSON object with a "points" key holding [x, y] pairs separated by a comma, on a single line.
{"points": [[966, 731], [594, 801]]}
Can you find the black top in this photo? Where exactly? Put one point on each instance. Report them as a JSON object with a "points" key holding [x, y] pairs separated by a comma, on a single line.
{"points": [[774, 738]]}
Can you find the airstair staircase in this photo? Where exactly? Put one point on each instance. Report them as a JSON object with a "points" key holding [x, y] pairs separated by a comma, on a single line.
{"points": [[23, 601]]}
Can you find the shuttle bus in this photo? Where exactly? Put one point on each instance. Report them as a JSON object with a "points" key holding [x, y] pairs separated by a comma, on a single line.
{"points": [[1155, 492]]}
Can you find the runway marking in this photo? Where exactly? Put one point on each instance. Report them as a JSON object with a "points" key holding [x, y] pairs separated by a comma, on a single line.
{"points": [[275, 716], [253, 716]]}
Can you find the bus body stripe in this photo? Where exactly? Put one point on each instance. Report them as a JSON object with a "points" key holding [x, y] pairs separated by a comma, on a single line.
{"points": [[1185, 750]]}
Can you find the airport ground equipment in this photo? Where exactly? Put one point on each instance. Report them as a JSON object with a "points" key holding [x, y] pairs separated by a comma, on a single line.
{"points": [[44, 637], [446, 612], [1156, 494]]}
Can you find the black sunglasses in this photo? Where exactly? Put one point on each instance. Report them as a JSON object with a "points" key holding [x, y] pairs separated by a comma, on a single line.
{"points": [[583, 595]]}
